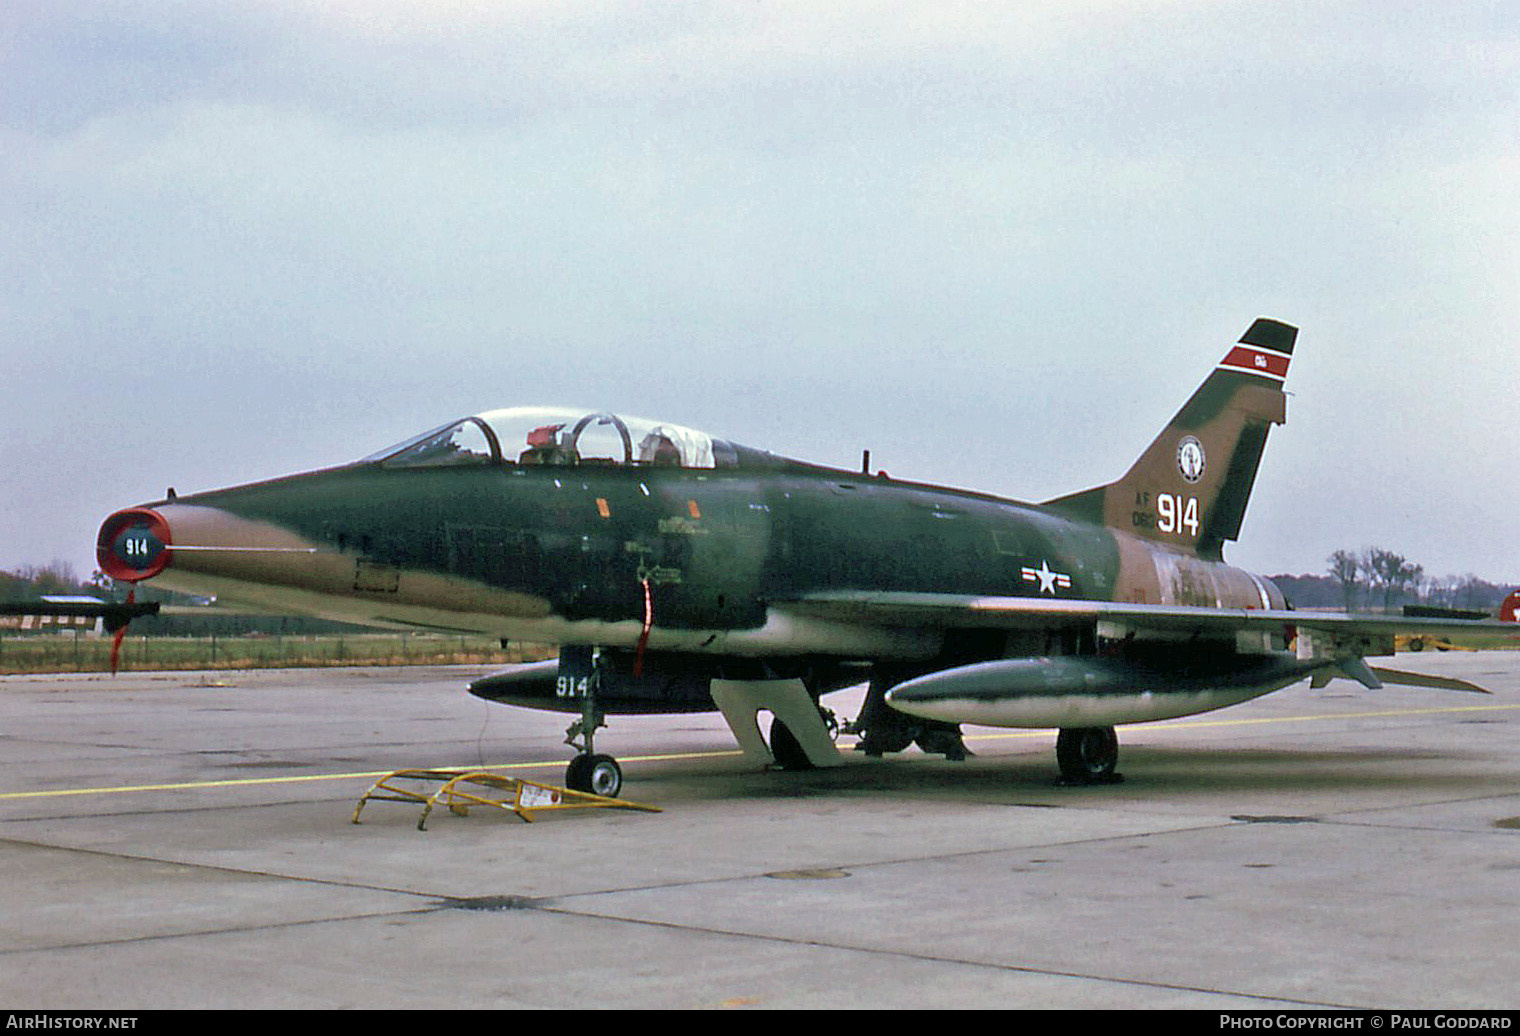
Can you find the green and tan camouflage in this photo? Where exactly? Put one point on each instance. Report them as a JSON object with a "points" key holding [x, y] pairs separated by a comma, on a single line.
{"points": [[683, 572]]}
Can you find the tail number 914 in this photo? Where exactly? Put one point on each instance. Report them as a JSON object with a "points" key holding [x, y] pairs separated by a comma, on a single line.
{"points": [[1177, 514]]}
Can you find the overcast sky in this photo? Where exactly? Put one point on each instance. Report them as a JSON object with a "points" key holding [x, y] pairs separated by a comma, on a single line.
{"points": [[996, 243]]}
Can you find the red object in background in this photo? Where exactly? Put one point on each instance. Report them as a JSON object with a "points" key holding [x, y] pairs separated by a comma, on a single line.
{"points": [[1510, 606]]}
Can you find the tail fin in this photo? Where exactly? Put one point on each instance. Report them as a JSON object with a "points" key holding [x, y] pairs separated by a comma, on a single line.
{"points": [[1189, 488]]}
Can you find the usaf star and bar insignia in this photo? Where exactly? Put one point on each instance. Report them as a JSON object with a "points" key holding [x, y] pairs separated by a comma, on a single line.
{"points": [[1049, 581]]}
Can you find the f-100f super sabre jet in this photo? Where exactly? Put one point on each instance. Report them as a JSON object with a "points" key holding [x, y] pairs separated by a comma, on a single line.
{"points": [[678, 572]]}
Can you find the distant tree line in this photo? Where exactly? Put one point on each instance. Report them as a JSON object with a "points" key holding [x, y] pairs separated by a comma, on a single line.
{"points": [[58, 577], [1379, 579]]}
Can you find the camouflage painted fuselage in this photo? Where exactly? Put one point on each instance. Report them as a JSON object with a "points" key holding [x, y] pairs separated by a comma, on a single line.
{"points": [[565, 554]]}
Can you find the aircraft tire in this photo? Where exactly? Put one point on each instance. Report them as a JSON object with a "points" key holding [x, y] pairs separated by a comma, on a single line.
{"points": [[1088, 755], [595, 774], [786, 750]]}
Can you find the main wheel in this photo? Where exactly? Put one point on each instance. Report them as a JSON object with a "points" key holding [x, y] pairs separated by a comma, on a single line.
{"points": [[596, 774], [1088, 755], [881, 728], [786, 749]]}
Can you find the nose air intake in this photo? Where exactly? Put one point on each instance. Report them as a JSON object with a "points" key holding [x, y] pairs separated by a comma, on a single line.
{"points": [[134, 545]]}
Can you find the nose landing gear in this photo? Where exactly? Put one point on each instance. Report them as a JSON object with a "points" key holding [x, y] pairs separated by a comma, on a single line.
{"points": [[595, 773], [591, 771]]}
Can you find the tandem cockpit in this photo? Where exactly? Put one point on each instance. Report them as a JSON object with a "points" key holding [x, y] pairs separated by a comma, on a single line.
{"points": [[548, 436]]}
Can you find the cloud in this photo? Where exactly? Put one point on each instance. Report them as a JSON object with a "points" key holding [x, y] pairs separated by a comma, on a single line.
{"points": [[997, 243]]}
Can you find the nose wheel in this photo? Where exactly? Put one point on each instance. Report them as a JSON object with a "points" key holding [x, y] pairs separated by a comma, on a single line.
{"points": [[597, 774]]}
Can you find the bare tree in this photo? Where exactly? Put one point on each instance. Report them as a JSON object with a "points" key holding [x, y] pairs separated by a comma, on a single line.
{"points": [[1345, 569], [1442, 590], [1390, 573], [1468, 592], [57, 577]]}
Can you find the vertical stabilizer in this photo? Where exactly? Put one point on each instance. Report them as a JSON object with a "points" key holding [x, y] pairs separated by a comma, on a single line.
{"points": [[1190, 487]]}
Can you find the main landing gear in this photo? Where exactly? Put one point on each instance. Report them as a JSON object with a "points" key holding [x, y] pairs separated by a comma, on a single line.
{"points": [[1088, 755], [882, 729]]}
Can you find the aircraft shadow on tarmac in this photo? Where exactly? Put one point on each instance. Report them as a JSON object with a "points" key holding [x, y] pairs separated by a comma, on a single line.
{"points": [[1151, 772]]}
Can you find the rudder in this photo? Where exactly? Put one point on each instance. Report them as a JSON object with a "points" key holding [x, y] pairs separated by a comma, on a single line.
{"points": [[1190, 487]]}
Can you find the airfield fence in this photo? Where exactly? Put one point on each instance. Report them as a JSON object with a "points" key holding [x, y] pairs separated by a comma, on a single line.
{"points": [[76, 652]]}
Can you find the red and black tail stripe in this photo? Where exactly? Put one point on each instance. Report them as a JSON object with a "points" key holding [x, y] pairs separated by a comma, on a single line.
{"points": [[1264, 351]]}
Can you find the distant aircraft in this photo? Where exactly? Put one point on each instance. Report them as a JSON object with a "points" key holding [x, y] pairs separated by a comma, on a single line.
{"points": [[682, 573], [72, 612], [69, 611]]}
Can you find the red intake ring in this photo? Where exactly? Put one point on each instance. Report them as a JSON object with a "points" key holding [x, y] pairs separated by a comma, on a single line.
{"points": [[134, 545]]}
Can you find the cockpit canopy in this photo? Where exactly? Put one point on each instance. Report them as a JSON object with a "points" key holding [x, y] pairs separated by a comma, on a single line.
{"points": [[552, 436]]}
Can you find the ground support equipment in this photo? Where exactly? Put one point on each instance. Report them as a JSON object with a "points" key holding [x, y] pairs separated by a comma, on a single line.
{"points": [[461, 789]]}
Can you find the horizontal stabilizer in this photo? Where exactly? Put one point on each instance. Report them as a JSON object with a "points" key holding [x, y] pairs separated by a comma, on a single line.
{"points": [[1443, 683], [1374, 677]]}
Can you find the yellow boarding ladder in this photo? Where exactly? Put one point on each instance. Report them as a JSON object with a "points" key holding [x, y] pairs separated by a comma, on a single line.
{"points": [[461, 789]]}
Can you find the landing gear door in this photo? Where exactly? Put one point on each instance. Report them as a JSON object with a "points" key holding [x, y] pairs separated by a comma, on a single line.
{"points": [[577, 668], [664, 683]]}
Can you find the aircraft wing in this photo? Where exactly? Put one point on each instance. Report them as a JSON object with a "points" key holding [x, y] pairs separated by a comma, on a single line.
{"points": [[1338, 639], [918, 610]]}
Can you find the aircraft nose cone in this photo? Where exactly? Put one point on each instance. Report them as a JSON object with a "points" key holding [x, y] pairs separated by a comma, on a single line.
{"points": [[134, 545]]}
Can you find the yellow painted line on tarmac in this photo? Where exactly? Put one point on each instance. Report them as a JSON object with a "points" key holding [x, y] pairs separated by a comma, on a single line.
{"points": [[373, 775], [184, 786], [249, 782]]}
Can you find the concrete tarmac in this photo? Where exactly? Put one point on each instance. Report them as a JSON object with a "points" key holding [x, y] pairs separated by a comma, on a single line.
{"points": [[183, 840]]}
